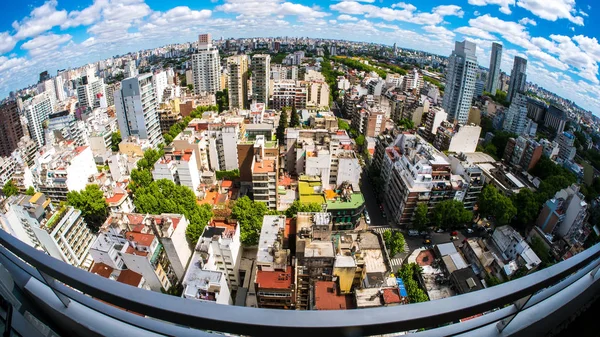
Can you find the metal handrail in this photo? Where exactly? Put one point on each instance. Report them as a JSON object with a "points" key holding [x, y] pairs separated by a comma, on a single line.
{"points": [[254, 321]]}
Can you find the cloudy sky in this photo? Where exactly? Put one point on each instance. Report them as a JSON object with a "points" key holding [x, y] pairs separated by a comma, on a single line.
{"points": [[558, 37]]}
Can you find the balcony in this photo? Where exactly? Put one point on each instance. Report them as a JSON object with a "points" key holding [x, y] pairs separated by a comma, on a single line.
{"points": [[73, 302]]}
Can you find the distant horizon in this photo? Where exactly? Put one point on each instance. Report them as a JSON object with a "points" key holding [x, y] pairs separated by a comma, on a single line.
{"points": [[558, 37]]}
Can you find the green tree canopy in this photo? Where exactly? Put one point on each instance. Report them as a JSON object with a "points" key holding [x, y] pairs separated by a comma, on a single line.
{"points": [[91, 203], [541, 251], [394, 241], [30, 190], [294, 118], [493, 203], [10, 189], [528, 208], [450, 214], [409, 273], [406, 123], [163, 196], [342, 125], [360, 140], [421, 220], [250, 215], [283, 124], [297, 206], [115, 140]]}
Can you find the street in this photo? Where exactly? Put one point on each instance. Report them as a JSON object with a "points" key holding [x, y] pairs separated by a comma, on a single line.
{"points": [[376, 215]]}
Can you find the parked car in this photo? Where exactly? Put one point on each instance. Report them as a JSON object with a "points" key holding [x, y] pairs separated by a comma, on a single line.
{"points": [[469, 231], [367, 218], [413, 232], [439, 230], [454, 238], [454, 233]]}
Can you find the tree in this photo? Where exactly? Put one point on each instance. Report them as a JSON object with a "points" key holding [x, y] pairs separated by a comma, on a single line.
{"points": [[492, 281], [91, 203], [115, 141], [409, 273], [163, 196], [250, 215], [551, 185], [493, 203], [394, 241], [360, 140], [297, 206], [342, 125], [406, 123], [450, 214], [222, 98], [283, 124], [528, 209], [10, 189], [140, 178], [421, 220], [30, 191], [541, 251], [294, 118], [491, 150]]}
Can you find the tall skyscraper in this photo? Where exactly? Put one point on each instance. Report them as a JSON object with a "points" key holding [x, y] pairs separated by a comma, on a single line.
{"points": [[518, 77], [493, 76], [261, 68], [206, 67], [460, 81], [238, 81], [37, 110], [516, 116], [160, 84], [11, 129], [136, 108], [59, 86], [47, 86], [89, 90]]}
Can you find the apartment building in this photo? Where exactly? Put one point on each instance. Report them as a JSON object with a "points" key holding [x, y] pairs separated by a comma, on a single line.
{"points": [[238, 81], [523, 152], [265, 172], [566, 145], [565, 214], [261, 68], [179, 167], [11, 130], [206, 67], [37, 109]]}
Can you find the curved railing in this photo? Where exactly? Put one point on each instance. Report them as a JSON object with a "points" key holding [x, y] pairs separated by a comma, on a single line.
{"points": [[76, 302]]}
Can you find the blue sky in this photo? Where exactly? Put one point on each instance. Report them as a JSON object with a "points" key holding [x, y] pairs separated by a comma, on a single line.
{"points": [[558, 37]]}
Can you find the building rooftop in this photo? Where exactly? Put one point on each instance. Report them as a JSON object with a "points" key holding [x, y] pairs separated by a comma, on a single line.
{"points": [[356, 200], [141, 239], [344, 261], [327, 298], [264, 166], [391, 296], [130, 277], [271, 226], [102, 270], [276, 279], [369, 297], [319, 249]]}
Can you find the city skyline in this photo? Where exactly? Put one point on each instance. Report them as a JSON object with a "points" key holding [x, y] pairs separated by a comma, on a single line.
{"points": [[557, 38]]}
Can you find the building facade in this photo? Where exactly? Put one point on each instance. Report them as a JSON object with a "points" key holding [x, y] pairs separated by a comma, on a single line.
{"points": [[11, 129], [261, 71], [518, 78], [494, 72], [460, 81]]}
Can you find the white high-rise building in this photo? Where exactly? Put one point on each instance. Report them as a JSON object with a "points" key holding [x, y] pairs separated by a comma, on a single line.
{"points": [[47, 86], [90, 90], [516, 116], [137, 112], [206, 67], [460, 81], [261, 67], [518, 77], [130, 69], [493, 76], [160, 81], [238, 81], [59, 85], [37, 110]]}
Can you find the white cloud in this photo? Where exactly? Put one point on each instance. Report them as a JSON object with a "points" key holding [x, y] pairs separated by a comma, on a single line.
{"points": [[254, 9], [40, 20], [449, 10], [398, 12], [86, 16], [513, 32], [346, 17], [7, 42], [504, 4], [475, 32], [552, 10], [439, 32], [527, 21], [548, 59], [582, 13], [44, 44], [476, 13]]}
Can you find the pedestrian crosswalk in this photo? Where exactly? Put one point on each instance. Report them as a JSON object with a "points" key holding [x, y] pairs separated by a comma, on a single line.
{"points": [[395, 263], [380, 230]]}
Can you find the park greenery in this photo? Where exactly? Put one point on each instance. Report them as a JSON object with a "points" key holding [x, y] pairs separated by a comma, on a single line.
{"points": [[164, 196], [10, 189], [540, 249], [391, 67], [494, 204], [331, 78], [250, 215], [409, 273], [297, 206], [115, 139], [30, 191], [92, 204], [450, 214], [343, 125], [181, 125], [434, 82], [359, 65], [406, 124], [499, 97], [394, 241]]}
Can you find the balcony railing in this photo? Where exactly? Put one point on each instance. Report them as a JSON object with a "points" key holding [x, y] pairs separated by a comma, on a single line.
{"points": [[74, 302]]}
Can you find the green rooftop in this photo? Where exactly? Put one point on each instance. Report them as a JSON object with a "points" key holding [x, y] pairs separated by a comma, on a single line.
{"points": [[356, 200], [306, 189]]}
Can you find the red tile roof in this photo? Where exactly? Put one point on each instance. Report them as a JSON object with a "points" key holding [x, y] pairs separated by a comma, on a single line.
{"points": [[101, 269], [274, 279], [226, 183], [326, 297], [129, 277], [391, 295], [140, 238], [117, 198], [133, 251]]}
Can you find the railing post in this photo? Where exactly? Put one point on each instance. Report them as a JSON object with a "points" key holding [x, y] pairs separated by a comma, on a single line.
{"points": [[594, 272], [519, 304], [50, 281]]}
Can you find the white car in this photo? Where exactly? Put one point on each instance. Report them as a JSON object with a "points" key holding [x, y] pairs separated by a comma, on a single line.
{"points": [[367, 218]]}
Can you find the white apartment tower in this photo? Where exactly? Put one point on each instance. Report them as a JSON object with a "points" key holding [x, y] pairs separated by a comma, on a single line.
{"points": [[518, 77], [206, 67], [37, 110], [130, 69], [516, 116], [137, 111], [238, 81], [493, 76], [160, 82], [460, 81], [261, 67]]}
